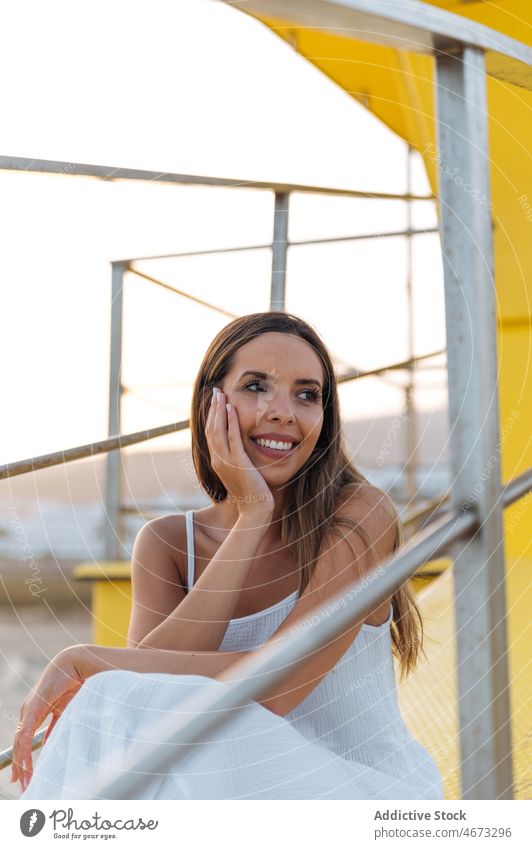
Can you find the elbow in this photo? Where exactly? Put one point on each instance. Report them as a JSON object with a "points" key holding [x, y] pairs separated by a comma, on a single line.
{"points": [[275, 704], [136, 644], [281, 703]]}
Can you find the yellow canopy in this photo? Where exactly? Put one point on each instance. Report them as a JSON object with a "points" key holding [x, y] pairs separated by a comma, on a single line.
{"points": [[398, 87]]}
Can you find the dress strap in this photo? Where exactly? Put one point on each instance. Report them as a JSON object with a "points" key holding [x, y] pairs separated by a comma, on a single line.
{"points": [[190, 548]]}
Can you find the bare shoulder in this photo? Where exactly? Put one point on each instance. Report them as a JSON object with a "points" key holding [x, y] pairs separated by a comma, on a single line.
{"points": [[373, 511], [375, 533], [163, 539], [157, 575], [167, 529]]}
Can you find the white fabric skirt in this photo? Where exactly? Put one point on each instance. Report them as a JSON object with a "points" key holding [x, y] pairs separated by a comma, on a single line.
{"points": [[256, 755]]}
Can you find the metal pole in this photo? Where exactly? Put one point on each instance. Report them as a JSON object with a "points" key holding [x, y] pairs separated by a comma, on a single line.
{"points": [[113, 485], [410, 407], [479, 571], [90, 449], [180, 292], [108, 172], [279, 248]]}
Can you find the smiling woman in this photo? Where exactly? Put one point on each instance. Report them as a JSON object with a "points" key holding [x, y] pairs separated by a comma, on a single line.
{"points": [[267, 447], [280, 388]]}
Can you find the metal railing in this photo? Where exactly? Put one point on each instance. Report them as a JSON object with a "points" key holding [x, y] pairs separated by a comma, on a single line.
{"points": [[256, 674], [213, 706], [113, 443]]}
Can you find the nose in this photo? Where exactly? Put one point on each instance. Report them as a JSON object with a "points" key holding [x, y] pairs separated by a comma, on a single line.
{"points": [[277, 407]]}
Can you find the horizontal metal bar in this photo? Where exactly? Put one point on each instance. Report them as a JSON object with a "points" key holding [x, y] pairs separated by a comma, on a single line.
{"points": [[298, 243], [181, 292], [106, 172], [44, 461], [408, 25], [390, 234], [517, 488], [170, 384], [425, 511], [356, 375]]}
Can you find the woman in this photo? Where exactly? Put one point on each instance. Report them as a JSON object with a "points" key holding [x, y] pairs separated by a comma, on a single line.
{"points": [[292, 524]]}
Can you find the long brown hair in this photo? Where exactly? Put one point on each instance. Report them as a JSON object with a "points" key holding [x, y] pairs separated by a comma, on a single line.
{"points": [[312, 496]]}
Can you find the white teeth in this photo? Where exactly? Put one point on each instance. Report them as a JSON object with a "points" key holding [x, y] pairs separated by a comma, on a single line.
{"points": [[271, 443]]}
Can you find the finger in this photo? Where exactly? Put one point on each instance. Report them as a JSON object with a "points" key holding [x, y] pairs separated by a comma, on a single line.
{"points": [[13, 762], [15, 759], [22, 760], [32, 720], [233, 431], [210, 424], [213, 406], [14, 767], [28, 772], [212, 409], [220, 426], [18, 761], [16, 764], [27, 763]]}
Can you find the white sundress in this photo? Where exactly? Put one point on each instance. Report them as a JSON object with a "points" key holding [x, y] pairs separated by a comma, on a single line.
{"points": [[345, 740]]}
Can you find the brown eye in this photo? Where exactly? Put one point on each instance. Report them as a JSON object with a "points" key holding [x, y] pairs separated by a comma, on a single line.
{"points": [[315, 395], [252, 383]]}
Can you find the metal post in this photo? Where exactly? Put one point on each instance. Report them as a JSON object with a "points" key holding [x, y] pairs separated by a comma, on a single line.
{"points": [[479, 572], [279, 249], [113, 533], [410, 407]]}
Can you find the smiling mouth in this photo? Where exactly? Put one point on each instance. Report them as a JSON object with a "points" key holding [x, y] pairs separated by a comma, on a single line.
{"points": [[275, 452]]}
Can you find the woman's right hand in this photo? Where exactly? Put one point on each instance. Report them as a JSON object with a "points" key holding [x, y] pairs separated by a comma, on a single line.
{"points": [[241, 478], [57, 685]]}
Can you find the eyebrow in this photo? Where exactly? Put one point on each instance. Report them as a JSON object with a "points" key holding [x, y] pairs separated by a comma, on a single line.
{"points": [[300, 381]]}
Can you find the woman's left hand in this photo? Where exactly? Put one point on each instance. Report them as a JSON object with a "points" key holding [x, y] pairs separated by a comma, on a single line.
{"points": [[58, 684]]}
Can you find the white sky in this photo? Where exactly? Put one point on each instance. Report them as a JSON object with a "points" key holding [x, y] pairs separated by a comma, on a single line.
{"points": [[190, 86]]}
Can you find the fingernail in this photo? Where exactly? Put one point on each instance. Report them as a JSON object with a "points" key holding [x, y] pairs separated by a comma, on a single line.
{"points": [[228, 407]]}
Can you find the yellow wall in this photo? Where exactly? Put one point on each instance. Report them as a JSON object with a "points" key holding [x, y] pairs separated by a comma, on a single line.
{"points": [[398, 88]]}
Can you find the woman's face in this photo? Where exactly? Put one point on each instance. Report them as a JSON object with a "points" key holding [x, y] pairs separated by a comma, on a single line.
{"points": [[283, 402]]}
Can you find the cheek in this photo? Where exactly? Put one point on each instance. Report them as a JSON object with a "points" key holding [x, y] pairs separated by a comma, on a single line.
{"points": [[246, 410], [314, 426]]}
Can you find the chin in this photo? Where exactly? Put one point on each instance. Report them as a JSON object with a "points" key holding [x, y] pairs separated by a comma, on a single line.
{"points": [[278, 477]]}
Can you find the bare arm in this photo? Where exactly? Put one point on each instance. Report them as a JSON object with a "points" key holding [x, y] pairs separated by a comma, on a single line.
{"points": [[339, 565], [92, 659], [196, 621]]}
